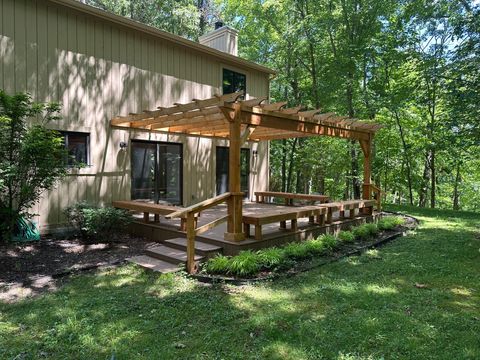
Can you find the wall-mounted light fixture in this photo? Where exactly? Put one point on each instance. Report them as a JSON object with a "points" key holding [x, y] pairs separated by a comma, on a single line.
{"points": [[123, 145]]}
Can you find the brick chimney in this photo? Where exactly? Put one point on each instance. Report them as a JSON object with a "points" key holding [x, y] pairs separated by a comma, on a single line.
{"points": [[223, 38]]}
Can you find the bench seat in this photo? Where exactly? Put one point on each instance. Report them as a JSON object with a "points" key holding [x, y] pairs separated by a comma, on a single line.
{"points": [[350, 205], [289, 197], [150, 208], [282, 215]]}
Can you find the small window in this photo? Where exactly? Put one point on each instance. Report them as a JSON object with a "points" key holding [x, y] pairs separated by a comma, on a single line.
{"points": [[234, 82], [77, 145]]}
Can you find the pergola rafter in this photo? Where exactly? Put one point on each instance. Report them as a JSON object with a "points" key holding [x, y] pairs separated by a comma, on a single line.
{"points": [[226, 116], [271, 121]]}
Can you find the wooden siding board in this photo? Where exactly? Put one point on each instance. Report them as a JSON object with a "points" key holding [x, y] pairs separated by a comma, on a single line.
{"points": [[31, 48], [20, 46], [64, 66], [42, 57], [52, 63], [9, 38], [3, 44]]}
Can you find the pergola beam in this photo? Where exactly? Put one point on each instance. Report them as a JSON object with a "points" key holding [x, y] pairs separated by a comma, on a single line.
{"points": [[287, 123]]}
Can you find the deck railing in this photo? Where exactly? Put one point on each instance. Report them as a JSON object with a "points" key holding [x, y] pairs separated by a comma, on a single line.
{"points": [[377, 192], [192, 230]]}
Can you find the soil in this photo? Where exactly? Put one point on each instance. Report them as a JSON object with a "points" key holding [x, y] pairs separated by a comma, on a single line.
{"points": [[32, 268]]}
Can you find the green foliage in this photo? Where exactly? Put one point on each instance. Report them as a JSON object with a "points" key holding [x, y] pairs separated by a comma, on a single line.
{"points": [[186, 18], [249, 263], [31, 157], [297, 250], [315, 246], [329, 241], [97, 223], [412, 67], [217, 265], [271, 257], [365, 231], [246, 263], [346, 236], [389, 222]]}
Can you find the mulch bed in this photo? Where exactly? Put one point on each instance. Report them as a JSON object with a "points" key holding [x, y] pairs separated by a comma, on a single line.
{"points": [[31, 268]]}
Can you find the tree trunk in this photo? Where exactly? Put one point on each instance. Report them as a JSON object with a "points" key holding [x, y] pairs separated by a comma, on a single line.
{"points": [[284, 165], [355, 180], [290, 165], [407, 157], [422, 202], [458, 180], [320, 182], [433, 178]]}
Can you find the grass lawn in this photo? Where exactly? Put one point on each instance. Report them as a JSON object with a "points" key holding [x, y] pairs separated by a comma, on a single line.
{"points": [[364, 307]]}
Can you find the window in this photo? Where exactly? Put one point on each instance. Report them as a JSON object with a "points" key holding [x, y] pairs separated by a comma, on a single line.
{"points": [[234, 82], [77, 145]]}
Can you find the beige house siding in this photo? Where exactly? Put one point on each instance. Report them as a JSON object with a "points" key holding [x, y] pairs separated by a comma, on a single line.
{"points": [[99, 69]]}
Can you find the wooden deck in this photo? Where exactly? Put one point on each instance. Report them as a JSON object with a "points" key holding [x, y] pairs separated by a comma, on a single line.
{"points": [[273, 234]]}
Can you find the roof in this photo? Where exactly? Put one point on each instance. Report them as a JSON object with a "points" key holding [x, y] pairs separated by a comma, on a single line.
{"points": [[123, 21], [259, 121]]}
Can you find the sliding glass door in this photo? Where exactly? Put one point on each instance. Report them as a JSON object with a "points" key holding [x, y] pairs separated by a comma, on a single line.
{"points": [[222, 170], [157, 171]]}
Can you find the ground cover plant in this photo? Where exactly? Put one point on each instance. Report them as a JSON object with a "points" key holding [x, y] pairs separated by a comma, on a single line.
{"points": [[249, 263], [418, 297], [95, 223]]}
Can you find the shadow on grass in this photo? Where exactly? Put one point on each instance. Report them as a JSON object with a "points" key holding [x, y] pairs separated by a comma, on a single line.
{"points": [[365, 306]]}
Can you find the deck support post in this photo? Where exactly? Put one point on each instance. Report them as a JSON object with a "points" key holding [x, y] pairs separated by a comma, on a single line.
{"points": [[191, 266], [234, 224]]}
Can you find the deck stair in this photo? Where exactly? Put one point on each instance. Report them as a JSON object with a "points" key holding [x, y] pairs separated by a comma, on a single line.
{"points": [[171, 256]]}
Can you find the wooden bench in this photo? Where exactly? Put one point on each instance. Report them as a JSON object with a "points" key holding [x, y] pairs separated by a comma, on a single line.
{"points": [[314, 213], [350, 205], [150, 208], [289, 197]]}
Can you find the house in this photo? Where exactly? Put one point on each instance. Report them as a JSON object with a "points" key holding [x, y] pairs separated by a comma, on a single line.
{"points": [[100, 65]]}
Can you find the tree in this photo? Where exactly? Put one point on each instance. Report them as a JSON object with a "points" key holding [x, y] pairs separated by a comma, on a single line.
{"points": [[32, 158]]}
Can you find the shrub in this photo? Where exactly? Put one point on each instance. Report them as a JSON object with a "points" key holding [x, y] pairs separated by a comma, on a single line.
{"points": [[365, 231], [361, 232], [271, 257], [389, 222], [328, 241], [217, 264], [244, 264], [372, 229], [346, 236], [31, 157], [296, 250], [93, 222], [315, 246]]}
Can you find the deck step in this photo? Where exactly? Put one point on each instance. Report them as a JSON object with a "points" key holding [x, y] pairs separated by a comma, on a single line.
{"points": [[201, 248], [169, 254], [154, 264]]}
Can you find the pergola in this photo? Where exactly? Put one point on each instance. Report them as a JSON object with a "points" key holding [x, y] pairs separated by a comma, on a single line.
{"points": [[226, 116]]}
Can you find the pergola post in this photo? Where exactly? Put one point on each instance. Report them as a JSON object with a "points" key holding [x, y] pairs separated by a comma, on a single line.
{"points": [[366, 146], [234, 223]]}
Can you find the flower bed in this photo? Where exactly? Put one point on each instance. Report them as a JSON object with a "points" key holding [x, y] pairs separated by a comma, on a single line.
{"points": [[266, 262]]}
